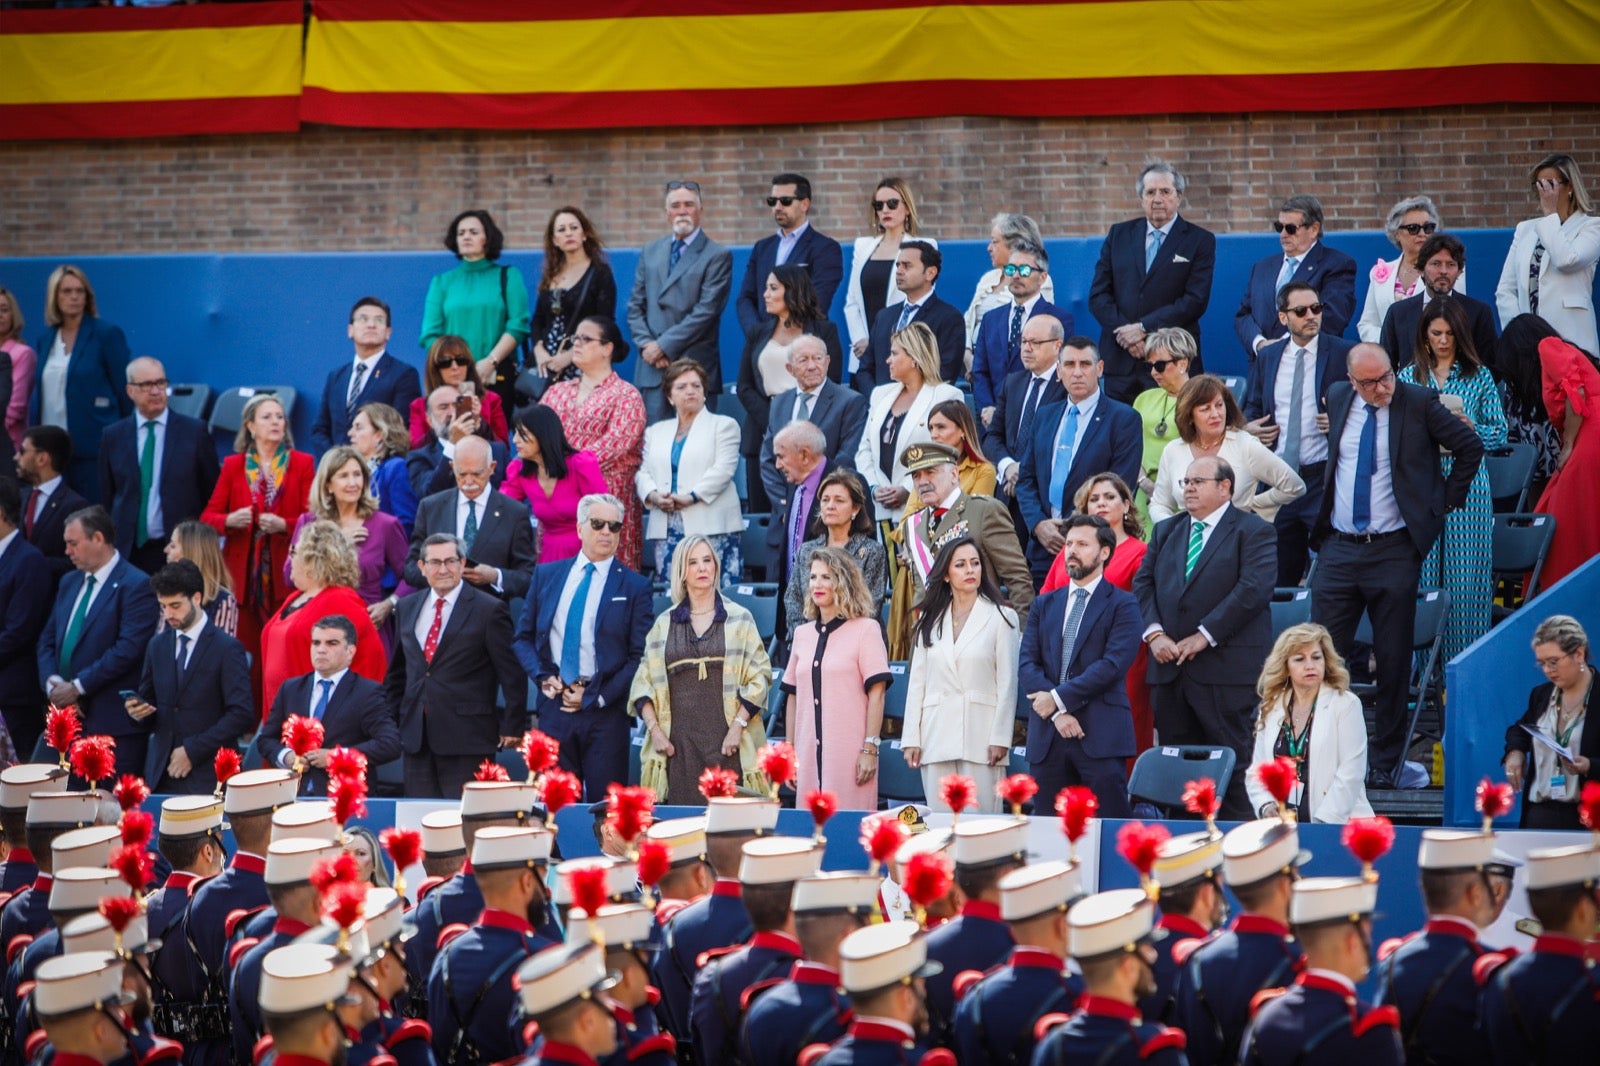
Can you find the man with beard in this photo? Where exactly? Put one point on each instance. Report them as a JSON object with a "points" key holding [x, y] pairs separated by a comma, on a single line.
{"points": [[882, 969], [1189, 871], [1442, 260], [302, 986], [79, 1000]]}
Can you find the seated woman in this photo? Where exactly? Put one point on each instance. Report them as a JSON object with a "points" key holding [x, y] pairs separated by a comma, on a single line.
{"points": [[1309, 714], [199, 543], [379, 434], [844, 522], [1558, 711], [551, 476]]}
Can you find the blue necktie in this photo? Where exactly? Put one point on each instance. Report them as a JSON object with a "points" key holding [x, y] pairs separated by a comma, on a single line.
{"points": [[324, 693], [675, 255], [1151, 247], [907, 312], [1069, 632], [1014, 343], [572, 634], [1063, 464], [183, 653], [1366, 460], [1290, 265]]}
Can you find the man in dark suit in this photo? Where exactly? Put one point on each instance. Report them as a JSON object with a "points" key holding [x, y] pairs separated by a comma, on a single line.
{"points": [[429, 467], [48, 501], [998, 349], [1205, 591], [679, 292], [801, 456], [580, 640], [1304, 258], [157, 467], [452, 656], [373, 376], [1072, 441], [1286, 403], [1077, 648], [839, 412], [493, 528], [353, 710], [797, 243], [25, 599], [1153, 272], [194, 691], [1036, 385], [1384, 499], [1441, 259], [93, 647], [917, 267]]}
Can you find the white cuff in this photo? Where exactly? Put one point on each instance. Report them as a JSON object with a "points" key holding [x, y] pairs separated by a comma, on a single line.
{"points": [[1151, 631], [1061, 708], [1209, 638]]}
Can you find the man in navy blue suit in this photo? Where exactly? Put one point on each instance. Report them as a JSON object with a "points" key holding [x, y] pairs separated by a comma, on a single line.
{"points": [[580, 640], [1304, 258], [1441, 260], [157, 468], [1077, 649], [1087, 434], [1153, 272], [1025, 392], [48, 500], [917, 267], [25, 596], [93, 647], [373, 376], [998, 349], [195, 688], [796, 242]]}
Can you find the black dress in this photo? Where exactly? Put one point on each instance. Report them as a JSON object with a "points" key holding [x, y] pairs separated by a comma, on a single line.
{"points": [[876, 274]]}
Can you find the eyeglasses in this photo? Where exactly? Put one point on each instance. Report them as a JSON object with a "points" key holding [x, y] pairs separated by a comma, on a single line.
{"points": [[1372, 383], [1551, 664], [600, 525], [1026, 343], [370, 320], [1416, 228], [1159, 366], [1308, 309], [1291, 228], [159, 383], [692, 186], [585, 338], [1186, 482], [774, 201], [891, 204], [1014, 270], [435, 564], [454, 360]]}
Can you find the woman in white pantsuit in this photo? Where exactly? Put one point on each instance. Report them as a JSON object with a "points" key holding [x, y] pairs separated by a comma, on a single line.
{"points": [[1549, 270]]}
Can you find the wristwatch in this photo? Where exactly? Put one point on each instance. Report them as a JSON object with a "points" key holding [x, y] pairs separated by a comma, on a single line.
{"points": [[874, 741], [741, 723]]}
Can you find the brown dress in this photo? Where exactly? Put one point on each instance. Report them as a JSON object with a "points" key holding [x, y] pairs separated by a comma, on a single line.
{"points": [[699, 717]]}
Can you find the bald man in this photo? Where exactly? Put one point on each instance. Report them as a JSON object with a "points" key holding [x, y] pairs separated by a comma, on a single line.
{"points": [[493, 528]]}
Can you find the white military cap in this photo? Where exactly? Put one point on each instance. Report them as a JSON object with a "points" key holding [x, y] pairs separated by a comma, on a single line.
{"points": [[307, 818], [385, 917], [925, 842], [62, 810], [1038, 889], [1109, 923], [81, 888], [303, 977], [1187, 858], [622, 878], [560, 976], [878, 956], [259, 791], [841, 892], [289, 862], [501, 799], [1331, 899], [441, 834], [779, 860], [981, 842], [621, 925], [1576, 864], [18, 783], [1257, 850], [357, 947], [742, 815], [91, 932], [70, 983], [503, 847], [685, 836], [1455, 849], [190, 816], [85, 847]]}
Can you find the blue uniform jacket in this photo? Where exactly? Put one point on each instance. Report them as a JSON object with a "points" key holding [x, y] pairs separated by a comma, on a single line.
{"points": [[194, 966], [995, 1016], [1180, 930], [715, 921], [872, 1043], [470, 992], [456, 902], [1217, 982], [1108, 1033], [1428, 978], [717, 1002], [976, 939], [1543, 1006], [1318, 1021], [787, 1016], [244, 985]]}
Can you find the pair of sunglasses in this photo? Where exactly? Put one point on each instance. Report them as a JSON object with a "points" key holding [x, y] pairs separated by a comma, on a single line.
{"points": [[600, 524]]}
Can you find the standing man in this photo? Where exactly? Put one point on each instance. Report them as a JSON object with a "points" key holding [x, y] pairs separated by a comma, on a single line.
{"points": [[795, 242], [1189, 872], [25, 600], [1286, 405], [495, 534], [157, 468], [1153, 272], [1304, 258], [1441, 259], [800, 452], [580, 639], [883, 969], [998, 349], [1383, 504], [49, 499], [682, 285], [1009, 434], [373, 376], [838, 411], [1205, 591], [1077, 648], [917, 267], [93, 646]]}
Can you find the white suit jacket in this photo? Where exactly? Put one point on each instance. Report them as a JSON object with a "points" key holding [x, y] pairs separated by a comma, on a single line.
{"points": [[1337, 789], [962, 692], [1566, 276], [855, 304], [914, 430], [710, 457]]}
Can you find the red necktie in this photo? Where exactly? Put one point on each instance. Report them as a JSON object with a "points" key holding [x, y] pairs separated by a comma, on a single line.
{"points": [[939, 512], [431, 645], [27, 518]]}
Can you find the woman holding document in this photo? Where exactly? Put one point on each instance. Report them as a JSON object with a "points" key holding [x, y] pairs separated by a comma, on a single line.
{"points": [[1556, 718]]}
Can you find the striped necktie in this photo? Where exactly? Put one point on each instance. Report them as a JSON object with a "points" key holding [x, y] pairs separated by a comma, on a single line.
{"points": [[1196, 537]]}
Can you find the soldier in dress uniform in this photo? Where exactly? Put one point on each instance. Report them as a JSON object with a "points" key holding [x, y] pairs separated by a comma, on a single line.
{"points": [[49, 814], [76, 891], [304, 819], [806, 1007], [93, 933], [622, 883], [689, 877], [884, 969], [1427, 976], [996, 1012], [1544, 1006], [302, 988], [892, 899], [1217, 978], [985, 850], [17, 783], [561, 991], [189, 837], [81, 1004], [768, 871], [444, 849], [381, 974], [1318, 1021], [470, 990], [1192, 904], [631, 939], [718, 920]]}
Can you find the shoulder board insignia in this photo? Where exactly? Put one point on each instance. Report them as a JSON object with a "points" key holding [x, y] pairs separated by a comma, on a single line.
{"points": [[1263, 997], [162, 1050], [427, 886], [1390, 946], [235, 918], [716, 953], [530, 1033], [450, 932], [34, 1046], [939, 1056], [18, 945], [1388, 1014], [811, 1053], [748, 995], [663, 1043], [237, 952], [261, 1050], [410, 1029], [1163, 1040], [380, 1059]]}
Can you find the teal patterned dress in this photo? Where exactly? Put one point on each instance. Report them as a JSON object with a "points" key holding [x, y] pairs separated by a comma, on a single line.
{"points": [[1459, 560]]}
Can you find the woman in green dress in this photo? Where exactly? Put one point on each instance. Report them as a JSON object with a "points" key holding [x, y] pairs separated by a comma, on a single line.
{"points": [[1167, 353], [480, 301]]}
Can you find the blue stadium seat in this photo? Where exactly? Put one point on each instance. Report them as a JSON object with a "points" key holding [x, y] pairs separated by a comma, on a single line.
{"points": [[1160, 773]]}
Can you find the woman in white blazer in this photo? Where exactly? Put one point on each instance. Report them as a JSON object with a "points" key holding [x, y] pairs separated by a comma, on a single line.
{"points": [[1566, 240], [1408, 226], [893, 214], [686, 477], [897, 417], [961, 698], [1209, 424], [1309, 714]]}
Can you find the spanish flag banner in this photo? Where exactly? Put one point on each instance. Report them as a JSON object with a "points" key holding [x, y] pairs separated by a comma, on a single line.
{"points": [[150, 72], [547, 64]]}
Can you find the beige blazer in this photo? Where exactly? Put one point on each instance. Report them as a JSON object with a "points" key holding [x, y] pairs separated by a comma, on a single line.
{"points": [[1338, 789], [710, 457], [914, 430], [961, 695]]}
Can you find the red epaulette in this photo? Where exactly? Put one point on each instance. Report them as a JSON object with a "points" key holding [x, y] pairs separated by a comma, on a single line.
{"points": [[1390, 946], [668, 907], [1166, 1038], [530, 1033], [811, 1053], [1388, 1014], [450, 932], [1047, 1022], [5, 897], [1487, 964], [715, 953], [262, 1048], [652, 995], [964, 981], [35, 1044], [1263, 997], [238, 950], [428, 885], [162, 1050], [231, 922], [18, 945], [380, 1059], [760, 986], [660, 1042], [939, 1056], [24, 990], [1182, 949], [410, 1029]]}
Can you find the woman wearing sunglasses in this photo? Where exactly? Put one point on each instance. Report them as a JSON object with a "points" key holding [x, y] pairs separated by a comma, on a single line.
{"points": [[892, 218], [450, 363], [1550, 268], [1409, 225], [1168, 353]]}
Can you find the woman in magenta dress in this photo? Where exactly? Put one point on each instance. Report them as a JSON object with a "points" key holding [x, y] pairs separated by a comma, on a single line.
{"points": [[605, 415], [1572, 397], [551, 476], [839, 660]]}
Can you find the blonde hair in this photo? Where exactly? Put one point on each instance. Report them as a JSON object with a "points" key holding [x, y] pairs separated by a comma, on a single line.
{"points": [[18, 323], [849, 587], [1276, 688], [922, 348], [334, 460], [680, 564], [902, 189], [1565, 632], [1177, 343], [244, 440], [387, 421], [202, 547], [326, 556], [52, 314]]}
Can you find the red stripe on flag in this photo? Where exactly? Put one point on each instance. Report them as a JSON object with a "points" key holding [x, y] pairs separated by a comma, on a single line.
{"points": [[184, 17], [150, 118]]}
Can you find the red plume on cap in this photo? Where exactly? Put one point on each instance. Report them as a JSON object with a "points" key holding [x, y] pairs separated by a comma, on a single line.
{"points": [[655, 860], [226, 764], [1200, 797], [130, 791], [1140, 845], [1077, 805], [822, 804], [136, 827], [302, 735], [718, 784], [561, 789], [1279, 777], [134, 865], [94, 758], [326, 873], [926, 880], [119, 911], [957, 791], [629, 810], [349, 796], [777, 761], [1017, 790], [405, 849], [489, 770], [881, 836], [1493, 800], [588, 885], [344, 906], [540, 751], [1589, 807], [61, 727], [347, 762], [1369, 839]]}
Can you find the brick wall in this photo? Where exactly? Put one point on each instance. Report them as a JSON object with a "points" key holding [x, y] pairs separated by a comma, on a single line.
{"points": [[346, 190]]}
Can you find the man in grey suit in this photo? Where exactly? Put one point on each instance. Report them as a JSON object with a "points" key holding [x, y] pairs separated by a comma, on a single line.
{"points": [[839, 412], [678, 296], [494, 530]]}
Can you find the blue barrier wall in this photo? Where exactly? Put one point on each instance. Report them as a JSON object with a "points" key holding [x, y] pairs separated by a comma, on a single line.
{"points": [[280, 319]]}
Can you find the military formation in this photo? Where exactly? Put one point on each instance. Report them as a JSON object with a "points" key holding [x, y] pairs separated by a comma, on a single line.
{"points": [[131, 939]]}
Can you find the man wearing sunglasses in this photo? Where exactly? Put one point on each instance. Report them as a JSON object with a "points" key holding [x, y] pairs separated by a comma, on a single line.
{"points": [[998, 349], [1304, 258], [1442, 260], [795, 242], [373, 376]]}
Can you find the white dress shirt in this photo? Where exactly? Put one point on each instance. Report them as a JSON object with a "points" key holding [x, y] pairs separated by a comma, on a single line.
{"points": [[1313, 445], [193, 633], [53, 386], [86, 597], [371, 363], [154, 520], [41, 495], [482, 512], [1210, 527], [286, 757], [1088, 586], [1086, 408], [1044, 383], [591, 610], [429, 605], [1385, 510]]}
